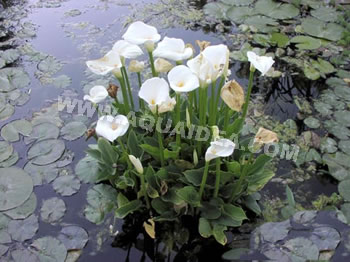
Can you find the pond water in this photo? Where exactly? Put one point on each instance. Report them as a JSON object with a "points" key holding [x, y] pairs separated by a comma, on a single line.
{"points": [[73, 32]]}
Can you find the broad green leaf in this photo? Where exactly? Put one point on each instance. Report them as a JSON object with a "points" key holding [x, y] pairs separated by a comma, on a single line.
{"points": [[219, 234], [276, 10], [315, 27], [53, 210], [204, 228], [190, 195], [49, 249], [12, 130], [25, 210], [282, 40], [133, 145], [127, 209], [46, 152], [21, 230], [66, 185], [87, 170], [109, 156], [327, 14], [306, 42], [259, 164], [73, 130], [290, 196], [73, 237]]}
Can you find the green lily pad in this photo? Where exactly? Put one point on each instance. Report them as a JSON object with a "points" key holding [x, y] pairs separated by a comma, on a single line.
{"points": [[73, 237], [237, 2], [337, 129], [41, 174], [274, 231], [49, 249], [6, 150], [338, 171], [10, 55], [52, 210], [326, 14], [12, 130], [12, 78], [282, 40], [276, 10], [24, 255], [46, 152], [239, 14], [87, 169], [323, 66], [306, 42], [7, 112], [48, 115], [66, 185], [328, 145], [25, 210], [312, 122], [62, 81], [345, 146], [3, 249], [50, 65], [343, 189], [215, 9], [21, 230], [10, 161], [43, 131], [262, 23], [73, 130], [16, 187], [343, 117], [325, 238], [317, 28], [302, 248]]}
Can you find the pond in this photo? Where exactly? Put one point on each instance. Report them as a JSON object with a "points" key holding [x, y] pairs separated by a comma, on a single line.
{"points": [[50, 208]]}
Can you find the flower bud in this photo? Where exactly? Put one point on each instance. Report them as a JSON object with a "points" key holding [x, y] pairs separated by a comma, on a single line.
{"points": [[149, 46], [216, 132], [188, 119], [233, 95], [137, 164], [118, 73], [195, 157], [192, 47], [112, 90], [136, 66], [162, 66], [202, 44]]}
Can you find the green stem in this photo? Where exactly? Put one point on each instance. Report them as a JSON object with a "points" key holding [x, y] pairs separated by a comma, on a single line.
{"points": [[218, 177], [190, 105], [216, 105], [160, 140], [151, 59], [125, 95], [205, 105], [241, 179], [247, 99], [141, 102], [177, 119], [212, 103], [126, 80], [227, 116], [125, 152], [204, 179], [144, 190]]}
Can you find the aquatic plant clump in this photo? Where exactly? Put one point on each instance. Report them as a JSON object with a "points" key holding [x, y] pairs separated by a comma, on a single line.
{"points": [[179, 150]]}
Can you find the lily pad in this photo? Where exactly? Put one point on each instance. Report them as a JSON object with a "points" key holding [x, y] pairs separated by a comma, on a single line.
{"points": [[12, 78], [275, 231], [345, 146], [21, 230], [312, 122], [6, 150], [73, 130], [343, 189], [87, 169], [328, 145], [215, 9], [343, 117], [62, 81], [239, 14], [302, 248], [25, 210], [46, 152], [52, 210], [12, 130], [306, 42], [317, 28], [327, 14], [49, 249], [10, 55], [237, 2], [276, 10], [66, 185], [43, 131], [3, 249], [16, 187], [50, 65], [24, 255], [41, 174], [48, 115], [73, 237], [325, 238], [8, 111]]}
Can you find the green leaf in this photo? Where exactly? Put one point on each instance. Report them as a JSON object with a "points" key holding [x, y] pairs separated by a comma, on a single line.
{"points": [[282, 40], [171, 154], [46, 152], [236, 213], [219, 234], [109, 156], [276, 10], [327, 14], [73, 130], [234, 167], [252, 203], [21, 230], [161, 206], [12, 130], [259, 164], [290, 196], [73, 237], [66, 185], [122, 200], [49, 249], [257, 181], [306, 42], [204, 228], [194, 176], [128, 208], [315, 27], [152, 150], [210, 210], [133, 145], [343, 189], [52, 210], [190, 195], [235, 254], [311, 72], [239, 14], [87, 170]]}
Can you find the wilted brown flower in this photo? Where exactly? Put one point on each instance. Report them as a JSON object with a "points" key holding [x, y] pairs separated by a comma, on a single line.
{"points": [[202, 44], [265, 136], [90, 133], [233, 95], [112, 90]]}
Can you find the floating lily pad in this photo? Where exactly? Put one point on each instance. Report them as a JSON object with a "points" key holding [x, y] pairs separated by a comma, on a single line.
{"points": [[3, 249], [87, 169], [16, 187], [343, 189], [66, 185], [21, 230], [302, 248], [43, 131], [328, 145], [327, 14], [12, 130], [312, 122], [52, 210], [73, 237], [10, 55], [24, 255], [50, 65], [273, 232], [48, 115], [276, 10], [345, 146], [304, 217], [25, 210], [239, 14], [49, 249], [12, 78], [315, 27], [62, 81], [343, 117], [336, 169], [237, 2], [262, 23], [41, 174], [6, 150], [8, 111], [73, 255], [306, 42], [73, 130], [46, 152], [325, 238]]}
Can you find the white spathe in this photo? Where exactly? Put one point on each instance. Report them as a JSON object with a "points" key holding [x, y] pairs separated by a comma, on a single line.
{"points": [[136, 66], [139, 33], [96, 94], [219, 148], [173, 49], [262, 63], [218, 55], [136, 163], [162, 66], [111, 127], [154, 91], [110, 62], [182, 79], [203, 69], [126, 49], [167, 106]]}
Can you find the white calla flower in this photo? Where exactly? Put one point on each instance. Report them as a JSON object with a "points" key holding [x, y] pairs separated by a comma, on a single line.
{"points": [[139, 33], [110, 62], [136, 163], [262, 63], [166, 106], [173, 49], [127, 50], [136, 66], [182, 79], [111, 127], [96, 94], [203, 69], [154, 91], [218, 55], [162, 66], [219, 148]]}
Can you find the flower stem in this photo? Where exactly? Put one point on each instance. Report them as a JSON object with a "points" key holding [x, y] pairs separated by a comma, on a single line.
{"points": [[144, 190], [247, 99], [216, 105], [177, 119], [151, 59], [190, 105], [125, 152], [125, 95], [141, 103], [212, 103], [127, 82], [218, 177], [160, 139], [226, 119], [204, 179]]}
